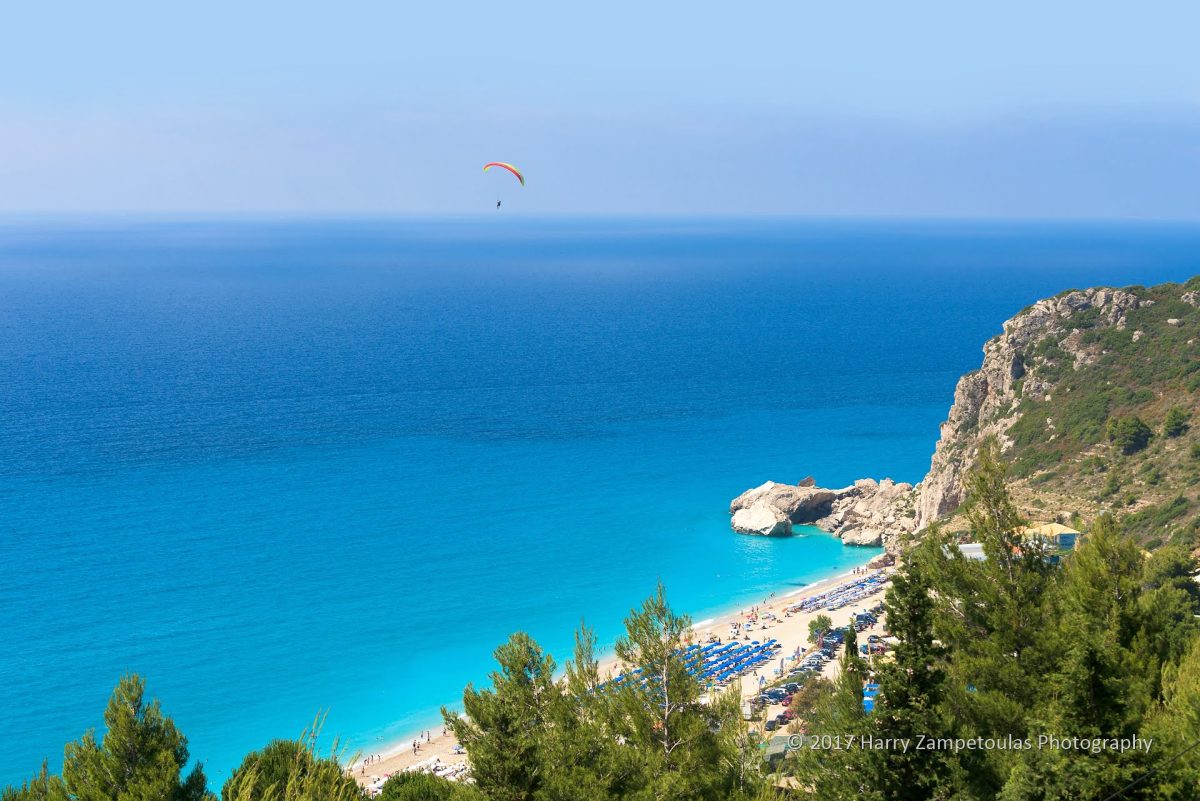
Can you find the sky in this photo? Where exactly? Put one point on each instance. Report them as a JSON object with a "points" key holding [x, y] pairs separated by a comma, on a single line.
{"points": [[921, 109]]}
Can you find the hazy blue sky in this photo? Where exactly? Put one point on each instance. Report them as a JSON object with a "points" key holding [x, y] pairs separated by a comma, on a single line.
{"points": [[1058, 109]]}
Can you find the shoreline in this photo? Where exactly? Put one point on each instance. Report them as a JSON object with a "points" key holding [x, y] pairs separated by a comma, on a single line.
{"points": [[439, 748]]}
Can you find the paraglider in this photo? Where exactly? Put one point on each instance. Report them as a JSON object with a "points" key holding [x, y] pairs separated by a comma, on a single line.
{"points": [[504, 166]]}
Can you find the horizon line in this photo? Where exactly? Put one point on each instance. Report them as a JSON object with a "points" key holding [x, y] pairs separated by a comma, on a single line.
{"points": [[200, 216]]}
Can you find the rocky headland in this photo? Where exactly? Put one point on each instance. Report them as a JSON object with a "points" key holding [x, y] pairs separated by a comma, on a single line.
{"points": [[1055, 389]]}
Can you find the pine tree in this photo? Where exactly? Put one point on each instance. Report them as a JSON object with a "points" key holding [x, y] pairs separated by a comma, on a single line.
{"points": [[263, 773], [503, 725], [1100, 686], [1168, 605], [659, 713], [410, 786], [851, 641], [1177, 728], [292, 770], [140, 758], [992, 615], [579, 743], [838, 717], [910, 691], [42, 787]]}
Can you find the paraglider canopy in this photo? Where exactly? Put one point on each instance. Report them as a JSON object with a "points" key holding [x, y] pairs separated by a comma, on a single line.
{"points": [[505, 166]]}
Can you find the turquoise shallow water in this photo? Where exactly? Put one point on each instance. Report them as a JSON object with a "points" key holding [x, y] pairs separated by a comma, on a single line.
{"points": [[281, 468]]}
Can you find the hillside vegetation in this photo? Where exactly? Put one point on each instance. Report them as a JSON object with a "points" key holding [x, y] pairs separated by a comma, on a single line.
{"points": [[1093, 395]]}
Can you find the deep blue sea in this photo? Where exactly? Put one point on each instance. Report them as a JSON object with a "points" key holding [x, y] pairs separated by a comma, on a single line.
{"points": [[280, 467]]}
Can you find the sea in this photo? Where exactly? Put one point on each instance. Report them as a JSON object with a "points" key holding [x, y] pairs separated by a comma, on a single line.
{"points": [[292, 468]]}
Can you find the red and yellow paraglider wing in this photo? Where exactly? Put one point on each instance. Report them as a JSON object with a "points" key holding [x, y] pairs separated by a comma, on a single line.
{"points": [[505, 166]]}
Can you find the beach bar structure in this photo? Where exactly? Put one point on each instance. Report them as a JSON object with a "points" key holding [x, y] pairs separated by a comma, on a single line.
{"points": [[1052, 536], [973, 551], [1052, 539]]}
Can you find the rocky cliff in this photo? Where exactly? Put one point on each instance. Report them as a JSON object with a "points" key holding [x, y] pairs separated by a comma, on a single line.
{"points": [[1090, 395], [987, 402]]}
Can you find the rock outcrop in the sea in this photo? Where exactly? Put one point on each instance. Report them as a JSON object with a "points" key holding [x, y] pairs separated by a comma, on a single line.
{"points": [[799, 503], [867, 512], [762, 518], [986, 400]]}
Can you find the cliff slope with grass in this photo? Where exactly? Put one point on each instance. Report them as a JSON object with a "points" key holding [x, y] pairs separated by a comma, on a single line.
{"points": [[1092, 395]]}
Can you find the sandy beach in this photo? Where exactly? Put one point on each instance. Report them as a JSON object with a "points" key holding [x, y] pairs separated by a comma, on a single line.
{"points": [[772, 620]]}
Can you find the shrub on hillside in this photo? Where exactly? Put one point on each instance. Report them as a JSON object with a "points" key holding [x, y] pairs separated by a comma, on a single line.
{"points": [[1129, 434], [1176, 422]]}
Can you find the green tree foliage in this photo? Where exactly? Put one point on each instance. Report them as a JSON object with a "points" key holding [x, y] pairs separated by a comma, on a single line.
{"points": [[1177, 728], [263, 772], [580, 744], [834, 710], [291, 770], [1016, 646], [991, 614], [851, 641], [811, 695], [818, 627], [651, 736], [1168, 603], [1099, 687], [42, 787], [426, 787], [1176, 422], [911, 690], [836, 715], [1129, 434], [502, 725], [674, 734], [141, 757]]}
